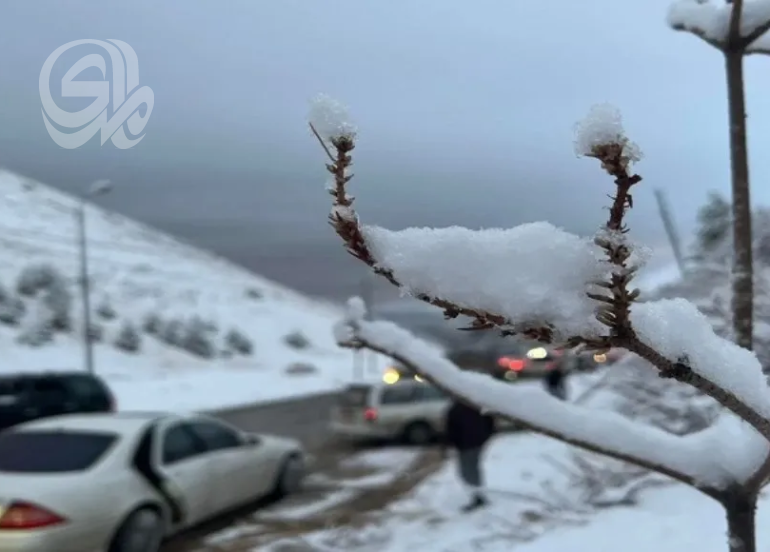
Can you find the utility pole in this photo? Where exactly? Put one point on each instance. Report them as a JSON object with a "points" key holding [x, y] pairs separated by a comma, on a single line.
{"points": [[668, 225], [100, 187]]}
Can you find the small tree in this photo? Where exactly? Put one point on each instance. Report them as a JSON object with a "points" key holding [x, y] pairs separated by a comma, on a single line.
{"points": [[38, 276], [297, 340], [171, 332], [541, 282], [152, 324], [713, 223], [12, 310], [105, 310], [736, 28], [58, 299], [38, 326], [237, 341], [128, 338], [197, 338]]}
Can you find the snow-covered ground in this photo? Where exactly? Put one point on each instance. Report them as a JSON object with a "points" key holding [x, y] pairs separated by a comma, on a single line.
{"points": [[546, 497], [139, 271]]}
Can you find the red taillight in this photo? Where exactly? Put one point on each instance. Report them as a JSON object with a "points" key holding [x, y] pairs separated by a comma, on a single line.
{"points": [[24, 515], [370, 414], [516, 365]]}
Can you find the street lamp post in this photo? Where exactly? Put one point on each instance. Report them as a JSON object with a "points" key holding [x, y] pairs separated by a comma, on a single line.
{"points": [[100, 187]]}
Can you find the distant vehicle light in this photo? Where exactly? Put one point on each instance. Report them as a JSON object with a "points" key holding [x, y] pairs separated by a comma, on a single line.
{"points": [[516, 365], [600, 358], [391, 376], [537, 353], [418, 378], [511, 375]]}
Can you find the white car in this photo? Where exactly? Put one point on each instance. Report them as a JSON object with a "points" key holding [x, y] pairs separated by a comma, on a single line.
{"points": [[123, 482]]}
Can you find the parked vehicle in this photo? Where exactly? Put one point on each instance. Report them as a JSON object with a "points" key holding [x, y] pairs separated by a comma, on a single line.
{"points": [[407, 410], [26, 397], [123, 482]]}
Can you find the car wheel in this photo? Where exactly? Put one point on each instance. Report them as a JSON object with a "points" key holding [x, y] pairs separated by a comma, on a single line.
{"points": [[418, 433], [290, 477], [143, 531]]}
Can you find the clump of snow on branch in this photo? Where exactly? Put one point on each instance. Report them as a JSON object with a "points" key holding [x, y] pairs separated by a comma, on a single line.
{"points": [[602, 126], [330, 118], [640, 254], [710, 19], [676, 329], [531, 274], [702, 457]]}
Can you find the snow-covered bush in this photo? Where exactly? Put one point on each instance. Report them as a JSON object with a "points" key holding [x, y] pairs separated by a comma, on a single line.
{"points": [[574, 292], [253, 293], [152, 324], [198, 339], [105, 310], [237, 341], [171, 332], [297, 340], [38, 326], [95, 332], [12, 310], [36, 277], [58, 299], [128, 338]]}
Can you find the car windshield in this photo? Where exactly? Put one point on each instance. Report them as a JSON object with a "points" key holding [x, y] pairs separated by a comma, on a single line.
{"points": [[355, 395], [52, 451]]}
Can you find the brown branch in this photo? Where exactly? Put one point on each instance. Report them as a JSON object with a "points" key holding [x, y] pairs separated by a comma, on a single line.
{"points": [[617, 315], [734, 39], [351, 232], [684, 374], [756, 34], [359, 343]]}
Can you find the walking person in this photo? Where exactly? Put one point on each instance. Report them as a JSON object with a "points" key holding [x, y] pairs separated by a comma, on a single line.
{"points": [[467, 431], [556, 382]]}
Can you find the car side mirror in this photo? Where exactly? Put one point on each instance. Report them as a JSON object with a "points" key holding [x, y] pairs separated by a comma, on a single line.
{"points": [[251, 440]]}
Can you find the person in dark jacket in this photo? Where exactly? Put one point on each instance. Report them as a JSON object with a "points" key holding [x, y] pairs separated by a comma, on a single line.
{"points": [[467, 431], [556, 382]]}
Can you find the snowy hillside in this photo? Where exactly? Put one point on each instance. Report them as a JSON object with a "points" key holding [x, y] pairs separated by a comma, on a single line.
{"points": [[204, 332]]}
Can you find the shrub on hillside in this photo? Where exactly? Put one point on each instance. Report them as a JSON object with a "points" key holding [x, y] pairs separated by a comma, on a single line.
{"points": [[253, 293], [238, 342], [297, 340], [171, 332], [58, 299], [38, 276], [152, 324], [128, 339], [38, 327], [198, 339], [96, 332], [12, 311], [105, 310]]}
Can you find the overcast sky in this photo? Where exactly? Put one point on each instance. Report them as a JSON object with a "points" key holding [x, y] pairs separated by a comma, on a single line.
{"points": [[465, 111]]}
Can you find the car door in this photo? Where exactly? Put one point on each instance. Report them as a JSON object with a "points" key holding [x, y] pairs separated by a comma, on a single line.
{"points": [[235, 463], [186, 468], [50, 397], [433, 404]]}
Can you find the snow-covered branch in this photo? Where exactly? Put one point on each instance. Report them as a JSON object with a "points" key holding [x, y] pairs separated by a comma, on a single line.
{"points": [[742, 25], [541, 281], [703, 459]]}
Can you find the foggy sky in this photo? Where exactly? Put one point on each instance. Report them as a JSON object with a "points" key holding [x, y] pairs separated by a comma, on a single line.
{"points": [[465, 112]]}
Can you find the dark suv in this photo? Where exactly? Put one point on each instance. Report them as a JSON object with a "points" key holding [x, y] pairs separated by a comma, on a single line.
{"points": [[25, 397]]}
